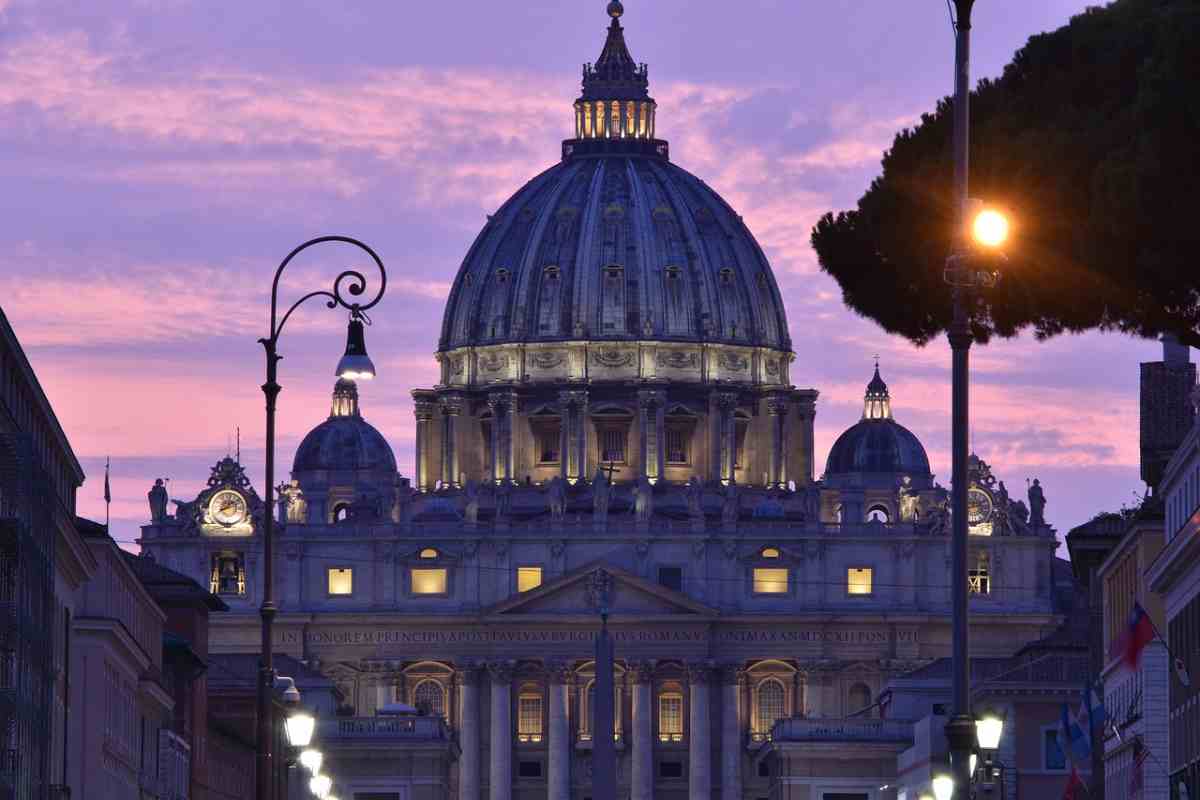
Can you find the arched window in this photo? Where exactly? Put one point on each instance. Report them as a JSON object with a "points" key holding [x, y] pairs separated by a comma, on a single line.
{"points": [[770, 552], [878, 514], [341, 512], [430, 698], [771, 699], [860, 698], [529, 714], [429, 552]]}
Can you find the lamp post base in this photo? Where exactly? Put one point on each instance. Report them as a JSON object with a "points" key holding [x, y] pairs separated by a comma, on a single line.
{"points": [[960, 736]]}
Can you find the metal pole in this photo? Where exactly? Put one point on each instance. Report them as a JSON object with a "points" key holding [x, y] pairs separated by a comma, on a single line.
{"points": [[266, 678], [960, 730]]}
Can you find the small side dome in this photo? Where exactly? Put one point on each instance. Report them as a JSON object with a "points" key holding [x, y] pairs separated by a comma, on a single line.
{"points": [[345, 441], [877, 444]]}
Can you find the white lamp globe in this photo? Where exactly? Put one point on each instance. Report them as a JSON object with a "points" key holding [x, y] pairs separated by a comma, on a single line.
{"points": [[311, 760], [988, 730], [943, 787], [299, 728]]}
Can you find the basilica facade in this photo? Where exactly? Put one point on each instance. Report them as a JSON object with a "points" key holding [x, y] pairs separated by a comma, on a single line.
{"points": [[615, 419]]}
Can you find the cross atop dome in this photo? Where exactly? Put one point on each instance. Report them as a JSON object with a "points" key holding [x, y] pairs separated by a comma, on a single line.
{"points": [[877, 404]]}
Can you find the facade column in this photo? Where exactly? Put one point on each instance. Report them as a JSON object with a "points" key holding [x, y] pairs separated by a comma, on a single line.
{"points": [[452, 407], [423, 409], [731, 732], [699, 729], [650, 408], [721, 407], [559, 735], [468, 734], [807, 413], [501, 745], [574, 404], [777, 409], [510, 436], [642, 786]]}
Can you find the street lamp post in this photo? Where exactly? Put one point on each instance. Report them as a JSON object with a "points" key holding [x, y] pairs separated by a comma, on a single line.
{"points": [[960, 730], [355, 364]]}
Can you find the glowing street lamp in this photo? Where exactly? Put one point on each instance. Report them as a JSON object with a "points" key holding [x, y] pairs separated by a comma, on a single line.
{"points": [[943, 787], [320, 786], [299, 728], [989, 728], [311, 760], [989, 228], [356, 365]]}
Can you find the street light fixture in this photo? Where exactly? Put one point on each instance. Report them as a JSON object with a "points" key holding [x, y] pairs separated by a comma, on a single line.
{"points": [[320, 786], [311, 760], [356, 362], [989, 727], [943, 787], [299, 728], [989, 228]]}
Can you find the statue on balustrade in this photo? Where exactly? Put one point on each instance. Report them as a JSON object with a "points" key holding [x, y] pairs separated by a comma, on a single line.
{"points": [[694, 494], [731, 506], [1037, 504], [471, 509], [158, 501], [601, 491], [556, 497]]}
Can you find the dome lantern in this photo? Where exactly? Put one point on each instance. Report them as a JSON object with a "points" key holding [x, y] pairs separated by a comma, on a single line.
{"points": [[877, 403]]}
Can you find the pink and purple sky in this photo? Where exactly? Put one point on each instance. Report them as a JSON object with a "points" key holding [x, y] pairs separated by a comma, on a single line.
{"points": [[161, 156]]}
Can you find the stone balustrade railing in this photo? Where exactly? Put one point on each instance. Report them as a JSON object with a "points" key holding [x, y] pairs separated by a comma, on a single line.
{"points": [[842, 730]]}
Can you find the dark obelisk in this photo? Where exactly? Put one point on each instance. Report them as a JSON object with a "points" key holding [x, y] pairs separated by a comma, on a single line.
{"points": [[604, 748]]}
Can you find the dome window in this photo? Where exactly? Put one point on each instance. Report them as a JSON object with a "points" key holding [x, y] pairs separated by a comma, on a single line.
{"points": [[502, 275], [770, 552], [428, 553], [726, 276]]}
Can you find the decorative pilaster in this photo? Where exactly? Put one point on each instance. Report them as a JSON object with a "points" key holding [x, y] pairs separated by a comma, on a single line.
{"points": [[574, 404], [503, 406], [651, 404], [640, 675], [452, 408], [501, 745], [777, 411], [468, 731], [423, 409], [732, 678], [806, 413], [559, 734], [721, 406], [700, 728]]}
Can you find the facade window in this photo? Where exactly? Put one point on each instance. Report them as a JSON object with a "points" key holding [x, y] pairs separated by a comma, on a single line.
{"points": [[430, 698], [612, 443], [671, 578], [878, 514], [228, 575], [770, 552], [548, 439], [340, 581], [341, 512], [529, 717], [528, 578], [678, 437], [979, 580], [859, 581], [771, 698], [1053, 756], [428, 553], [860, 698], [770, 580], [590, 716], [670, 717], [428, 581]]}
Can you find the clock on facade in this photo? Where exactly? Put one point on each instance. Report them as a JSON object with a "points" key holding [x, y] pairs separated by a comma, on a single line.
{"points": [[227, 507], [979, 507]]}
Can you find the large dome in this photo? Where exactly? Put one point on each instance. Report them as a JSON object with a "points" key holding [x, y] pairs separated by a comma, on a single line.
{"points": [[877, 443], [615, 242], [345, 441]]}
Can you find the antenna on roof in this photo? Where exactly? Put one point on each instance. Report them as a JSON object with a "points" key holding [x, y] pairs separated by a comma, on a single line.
{"points": [[238, 457]]}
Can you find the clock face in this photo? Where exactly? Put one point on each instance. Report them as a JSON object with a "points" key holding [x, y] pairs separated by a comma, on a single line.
{"points": [[979, 506], [227, 507]]}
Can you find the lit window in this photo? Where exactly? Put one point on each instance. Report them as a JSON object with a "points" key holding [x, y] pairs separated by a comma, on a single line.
{"points": [[978, 579], [599, 120], [771, 698], [631, 118], [548, 437], [770, 580], [429, 552], [228, 574], [614, 130], [429, 698], [529, 717], [642, 120], [612, 444], [858, 580], [428, 581], [670, 717], [770, 552], [528, 578], [341, 581], [677, 445]]}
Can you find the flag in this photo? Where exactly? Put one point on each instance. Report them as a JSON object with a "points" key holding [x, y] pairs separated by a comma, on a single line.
{"points": [[1138, 634], [1137, 776], [1181, 672], [107, 490], [1071, 739], [1075, 789], [1093, 708]]}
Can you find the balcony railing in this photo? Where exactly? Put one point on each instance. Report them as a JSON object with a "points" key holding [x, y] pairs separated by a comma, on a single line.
{"points": [[382, 729], [842, 730]]}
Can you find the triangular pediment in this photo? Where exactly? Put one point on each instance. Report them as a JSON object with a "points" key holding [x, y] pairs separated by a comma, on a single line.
{"points": [[580, 592]]}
